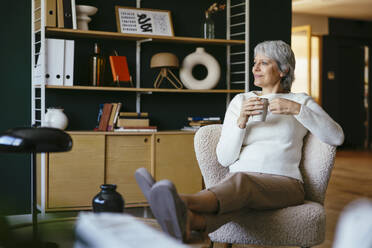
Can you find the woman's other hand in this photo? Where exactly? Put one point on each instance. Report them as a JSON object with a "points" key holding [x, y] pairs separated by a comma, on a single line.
{"points": [[250, 106], [284, 106]]}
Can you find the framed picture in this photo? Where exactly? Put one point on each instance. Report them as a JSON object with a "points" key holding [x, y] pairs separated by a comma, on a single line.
{"points": [[143, 21]]}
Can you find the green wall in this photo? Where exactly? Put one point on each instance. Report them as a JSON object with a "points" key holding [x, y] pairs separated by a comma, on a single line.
{"points": [[15, 97], [269, 20]]}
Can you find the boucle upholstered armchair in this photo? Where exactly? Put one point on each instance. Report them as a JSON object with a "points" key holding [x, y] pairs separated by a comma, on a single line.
{"points": [[302, 225]]}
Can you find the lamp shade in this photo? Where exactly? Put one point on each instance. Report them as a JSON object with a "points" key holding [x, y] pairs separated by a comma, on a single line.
{"points": [[164, 60], [29, 139]]}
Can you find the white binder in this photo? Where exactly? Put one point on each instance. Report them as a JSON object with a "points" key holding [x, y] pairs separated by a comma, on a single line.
{"points": [[69, 63], [54, 64]]}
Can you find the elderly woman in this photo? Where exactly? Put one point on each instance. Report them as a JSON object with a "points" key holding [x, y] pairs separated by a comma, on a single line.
{"points": [[263, 156]]}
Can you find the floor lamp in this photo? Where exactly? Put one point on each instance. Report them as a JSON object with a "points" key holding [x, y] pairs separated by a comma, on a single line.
{"points": [[34, 140]]}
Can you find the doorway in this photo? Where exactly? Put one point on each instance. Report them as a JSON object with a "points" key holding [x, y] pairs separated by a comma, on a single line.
{"points": [[346, 88], [306, 48]]}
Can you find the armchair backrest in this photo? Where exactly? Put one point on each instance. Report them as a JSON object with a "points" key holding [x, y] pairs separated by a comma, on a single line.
{"points": [[205, 143], [316, 163]]}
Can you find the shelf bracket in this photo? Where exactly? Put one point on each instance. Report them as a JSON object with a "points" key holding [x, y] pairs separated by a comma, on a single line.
{"points": [[138, 72], [145, 40]]}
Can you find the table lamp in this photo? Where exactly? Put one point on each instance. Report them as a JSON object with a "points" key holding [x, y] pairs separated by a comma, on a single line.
{"points": [[165, 61], [34, 140]]}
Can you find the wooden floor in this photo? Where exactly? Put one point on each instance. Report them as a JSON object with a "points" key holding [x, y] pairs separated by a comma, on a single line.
{"points": [[351, 179]]}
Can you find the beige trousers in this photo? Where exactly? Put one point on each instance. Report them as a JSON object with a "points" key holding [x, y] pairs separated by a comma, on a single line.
{"points": [[259, 191]]}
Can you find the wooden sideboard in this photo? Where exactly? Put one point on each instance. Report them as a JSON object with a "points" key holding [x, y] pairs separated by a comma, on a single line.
{"points": [[73, 178]]}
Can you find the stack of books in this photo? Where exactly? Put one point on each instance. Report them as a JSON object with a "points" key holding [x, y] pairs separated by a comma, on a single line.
{"points": [[108, 115], [134, 122], [194, 123]]}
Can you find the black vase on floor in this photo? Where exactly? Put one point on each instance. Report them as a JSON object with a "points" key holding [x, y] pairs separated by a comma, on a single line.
{"points": [[108, 200]]}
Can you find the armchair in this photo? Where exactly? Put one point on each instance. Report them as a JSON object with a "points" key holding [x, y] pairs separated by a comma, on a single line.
{"points": [[302, 225]]}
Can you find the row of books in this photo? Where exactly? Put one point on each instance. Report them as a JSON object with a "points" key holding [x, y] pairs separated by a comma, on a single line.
{"points": [[108, 115], [111, 119], [194, 123]]}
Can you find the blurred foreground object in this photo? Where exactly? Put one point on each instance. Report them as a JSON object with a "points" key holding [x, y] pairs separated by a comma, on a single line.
{"points": [[354, 227]]}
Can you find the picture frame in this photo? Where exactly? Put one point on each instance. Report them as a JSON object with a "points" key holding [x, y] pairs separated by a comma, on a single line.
{"points": [[132, 20]]}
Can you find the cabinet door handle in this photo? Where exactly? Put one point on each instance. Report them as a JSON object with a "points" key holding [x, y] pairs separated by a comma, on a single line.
{"points": [[158, 140], [145, 140]]}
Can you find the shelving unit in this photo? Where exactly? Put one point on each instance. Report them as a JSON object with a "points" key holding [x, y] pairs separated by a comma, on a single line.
{"points": [[38, 89], [38, 51]]}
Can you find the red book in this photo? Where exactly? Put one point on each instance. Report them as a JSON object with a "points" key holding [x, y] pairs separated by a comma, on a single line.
{"points": [[119, 68], [106, 113]]}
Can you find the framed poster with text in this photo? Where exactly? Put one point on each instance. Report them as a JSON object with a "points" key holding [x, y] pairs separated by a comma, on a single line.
{"points": [[131, 20]]}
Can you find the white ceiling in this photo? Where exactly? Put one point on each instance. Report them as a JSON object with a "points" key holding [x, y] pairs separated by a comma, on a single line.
{"points": [[351, 9]]}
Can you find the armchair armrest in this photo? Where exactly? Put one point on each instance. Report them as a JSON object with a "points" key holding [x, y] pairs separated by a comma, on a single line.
{"points": [[316, 166], [205, 143]]}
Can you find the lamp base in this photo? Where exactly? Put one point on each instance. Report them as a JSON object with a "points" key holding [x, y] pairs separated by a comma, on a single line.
{"points": [[166, 73]]}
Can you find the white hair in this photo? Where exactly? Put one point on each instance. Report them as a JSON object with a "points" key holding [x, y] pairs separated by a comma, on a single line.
{"points": [[282, 54]]}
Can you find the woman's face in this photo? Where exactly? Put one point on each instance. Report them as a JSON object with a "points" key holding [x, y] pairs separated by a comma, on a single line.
{"points": [[266, 73]]}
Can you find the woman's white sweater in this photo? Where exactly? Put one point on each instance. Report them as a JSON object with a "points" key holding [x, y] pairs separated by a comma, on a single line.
{"points": [[273, 146]]}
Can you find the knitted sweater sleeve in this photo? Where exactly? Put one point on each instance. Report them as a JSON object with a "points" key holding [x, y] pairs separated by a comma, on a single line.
{"points": [[319, 123], [231, 140]]}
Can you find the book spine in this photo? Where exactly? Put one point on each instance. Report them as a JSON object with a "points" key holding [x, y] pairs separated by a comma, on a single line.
{"points": [[133, 114], [203, 123], [117, 114], [195, 118], [139, 127], [100, 110], [55, 58], [135, 130], [133, 122], [107, 107], [60, 14], [114, 74], [67, 13], [50, 13], [110, 126]]}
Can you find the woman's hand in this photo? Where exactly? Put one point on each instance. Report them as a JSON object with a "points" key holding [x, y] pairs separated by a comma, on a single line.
{"points": [[250, 106], [284, 106]]}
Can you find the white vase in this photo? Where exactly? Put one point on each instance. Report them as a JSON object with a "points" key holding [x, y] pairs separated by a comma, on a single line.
{"points": [[56, 118], [200, 57], [82, 15]]}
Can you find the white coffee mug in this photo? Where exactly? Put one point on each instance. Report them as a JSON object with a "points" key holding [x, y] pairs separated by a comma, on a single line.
{"points": [[262, 116]]}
